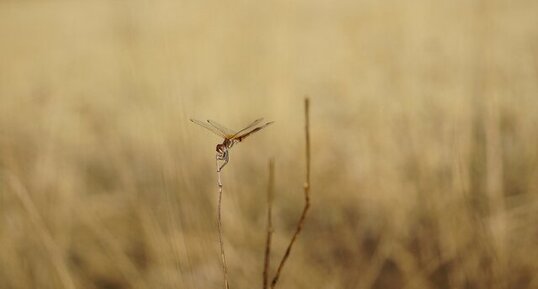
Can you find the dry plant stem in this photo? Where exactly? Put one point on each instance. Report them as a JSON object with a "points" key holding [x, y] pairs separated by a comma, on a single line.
{"points": [[43, 233], [306, 195], [219, 221], [270, 188]]}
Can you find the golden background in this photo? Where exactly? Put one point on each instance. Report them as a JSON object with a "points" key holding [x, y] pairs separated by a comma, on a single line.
{"points": [[424, 123]]}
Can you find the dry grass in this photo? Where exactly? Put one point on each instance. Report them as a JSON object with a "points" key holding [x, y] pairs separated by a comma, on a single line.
{"points": [[424, 137]]}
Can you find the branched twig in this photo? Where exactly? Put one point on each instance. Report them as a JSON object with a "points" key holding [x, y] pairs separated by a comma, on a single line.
{"points": [[306, 196], [270, 188], [223, 256]]}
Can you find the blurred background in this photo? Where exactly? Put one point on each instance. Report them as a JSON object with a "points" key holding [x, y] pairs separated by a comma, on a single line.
{"points": [[424, 123]]}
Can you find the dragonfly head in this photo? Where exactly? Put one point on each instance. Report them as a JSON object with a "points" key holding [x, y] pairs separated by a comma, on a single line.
{"points": [[222, 153], [222, 148]]}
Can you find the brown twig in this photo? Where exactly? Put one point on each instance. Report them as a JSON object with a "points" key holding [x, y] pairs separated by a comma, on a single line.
{"points": [[270, 188], [221, 242], [306, 195]]}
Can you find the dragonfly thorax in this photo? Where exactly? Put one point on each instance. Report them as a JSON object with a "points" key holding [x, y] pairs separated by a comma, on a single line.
{"points": [[228, 143]]}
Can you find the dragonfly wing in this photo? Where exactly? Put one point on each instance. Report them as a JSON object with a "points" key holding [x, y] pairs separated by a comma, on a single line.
{"points": [[250, 132], [248, 127], [228, 133], [209, 127]]}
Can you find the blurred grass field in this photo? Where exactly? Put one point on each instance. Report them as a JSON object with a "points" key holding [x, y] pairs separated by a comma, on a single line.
{"points": [[424, 126]]}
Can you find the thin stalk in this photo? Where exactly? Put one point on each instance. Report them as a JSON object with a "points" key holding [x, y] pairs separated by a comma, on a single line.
{"points": [[219, 221], [270, 189], [306, 195]]}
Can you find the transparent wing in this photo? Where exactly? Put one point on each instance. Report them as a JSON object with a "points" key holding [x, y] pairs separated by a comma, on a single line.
{"points": [[209, 127], [247, 133], [248, 127], [228, 133]]}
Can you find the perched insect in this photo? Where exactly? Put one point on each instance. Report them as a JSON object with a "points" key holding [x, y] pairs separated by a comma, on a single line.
{"points": [[230, 137]]}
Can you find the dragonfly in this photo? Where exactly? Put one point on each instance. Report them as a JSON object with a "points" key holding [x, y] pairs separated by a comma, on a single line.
{"points": [[231, 137]]}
